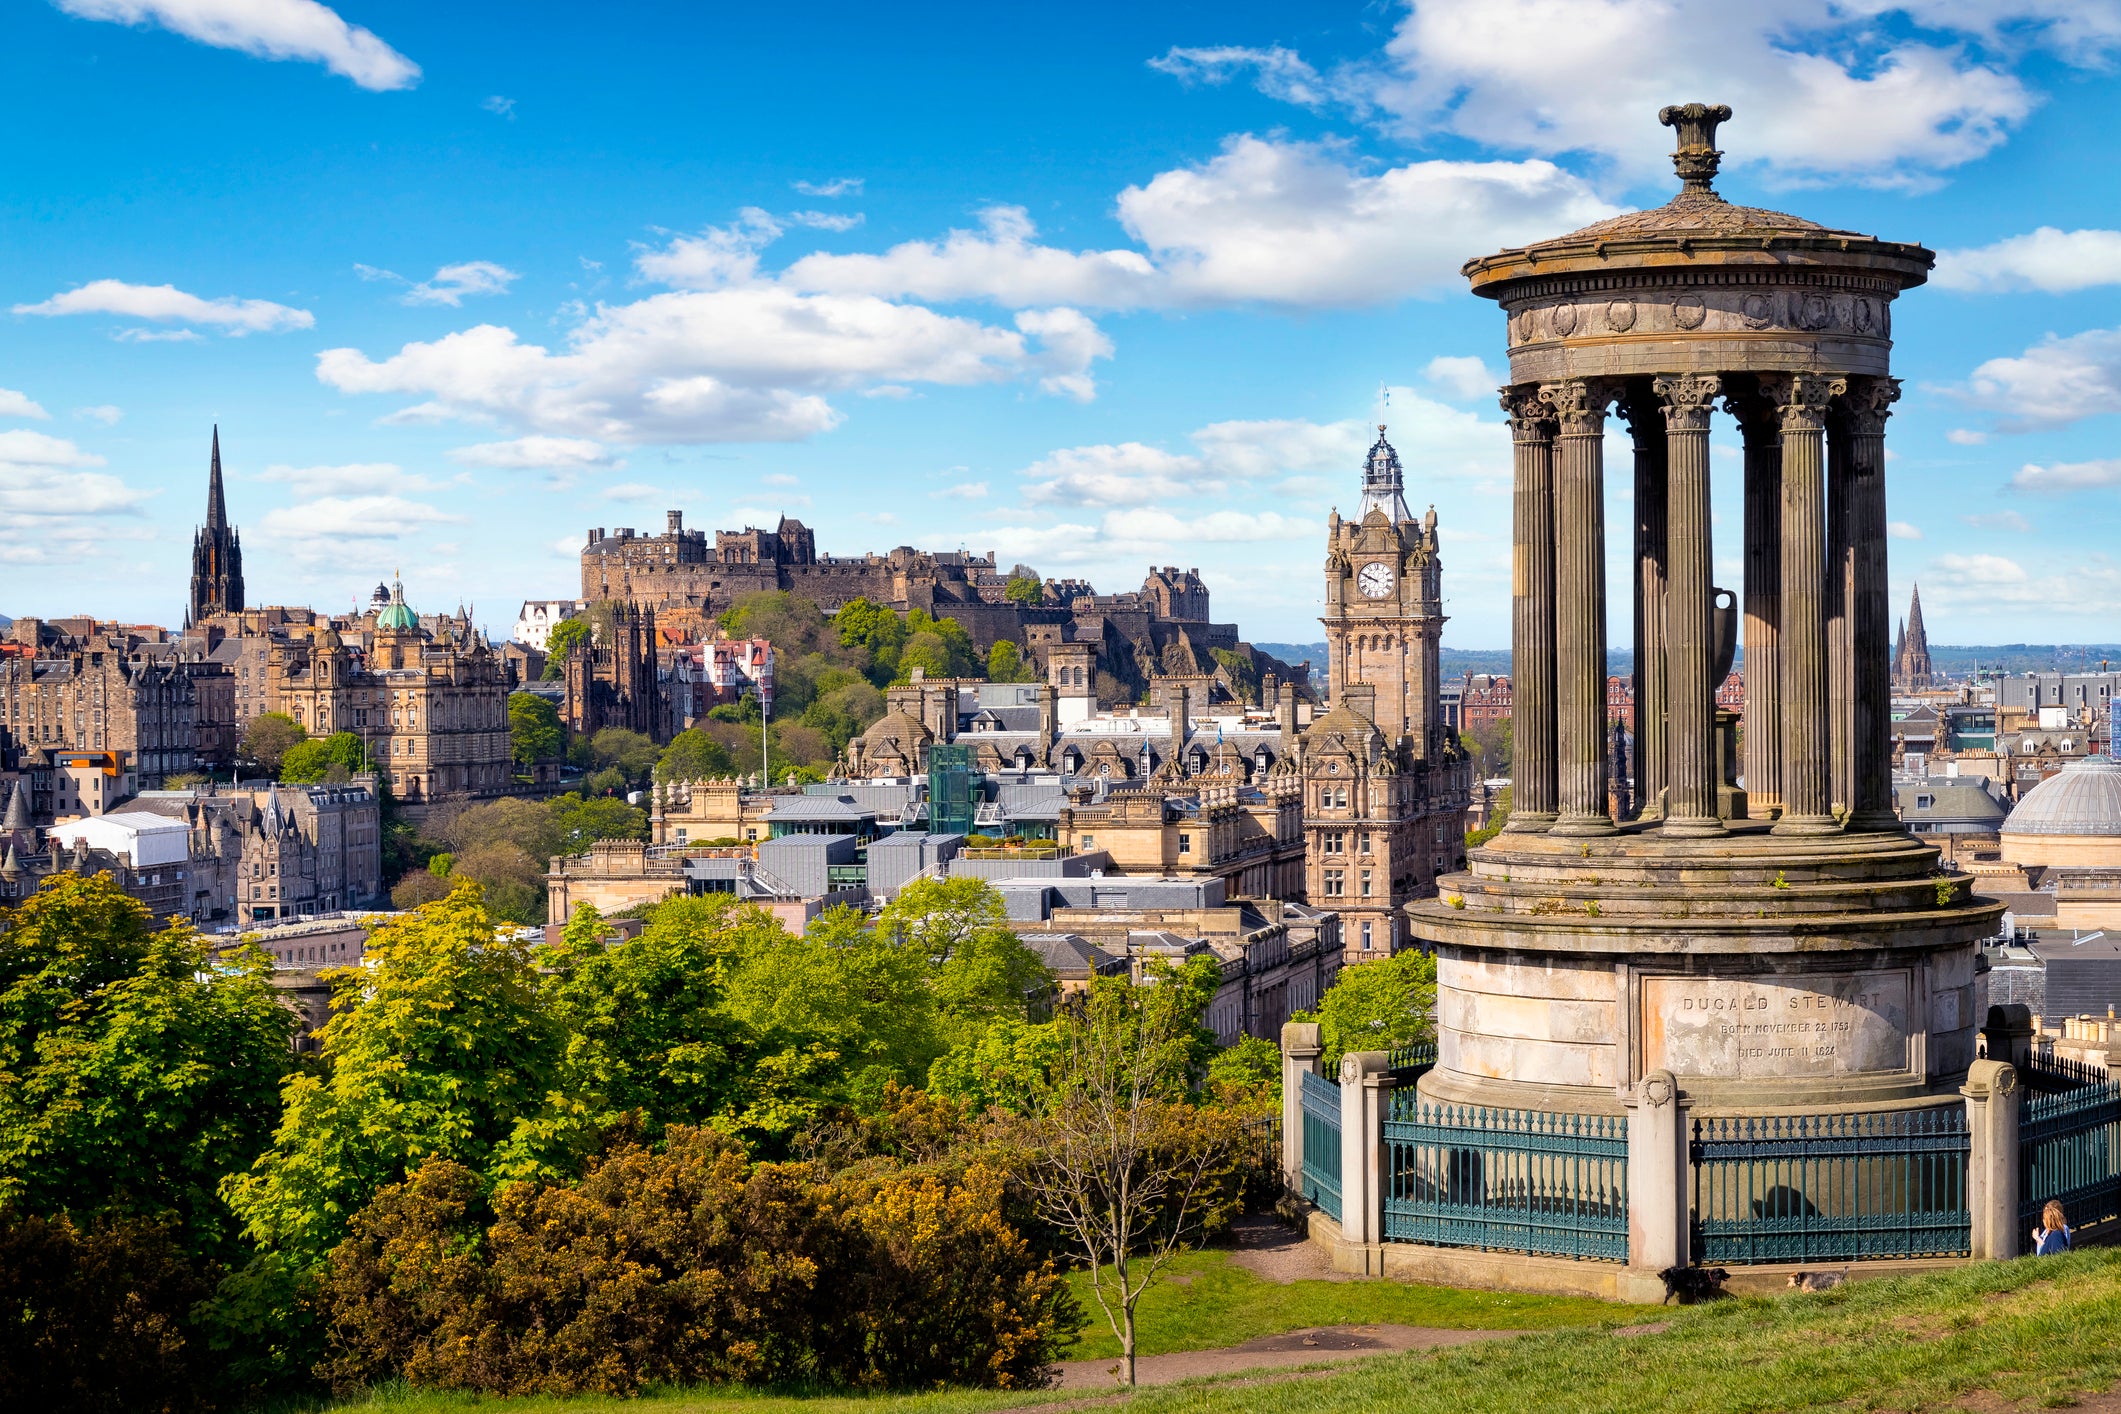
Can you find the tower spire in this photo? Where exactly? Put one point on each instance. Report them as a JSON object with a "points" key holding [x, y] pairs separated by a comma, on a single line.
{"points": [[216, 507]]}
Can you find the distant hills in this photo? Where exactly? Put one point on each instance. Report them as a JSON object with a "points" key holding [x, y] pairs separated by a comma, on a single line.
{"points": [[1955, 660]]}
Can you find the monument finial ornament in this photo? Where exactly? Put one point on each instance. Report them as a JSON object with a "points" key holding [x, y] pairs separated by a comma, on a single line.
{"points": [[1697, 157]]}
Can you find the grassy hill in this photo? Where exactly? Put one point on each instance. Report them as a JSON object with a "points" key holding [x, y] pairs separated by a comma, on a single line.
{"points": [[2028, 1334]]}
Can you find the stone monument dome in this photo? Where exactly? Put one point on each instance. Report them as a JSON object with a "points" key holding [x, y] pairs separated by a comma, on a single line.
{"points": [[1775, 945], [397, 616]]}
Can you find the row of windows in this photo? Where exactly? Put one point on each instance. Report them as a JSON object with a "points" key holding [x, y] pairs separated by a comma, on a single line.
{"points": [[1336, 883]]}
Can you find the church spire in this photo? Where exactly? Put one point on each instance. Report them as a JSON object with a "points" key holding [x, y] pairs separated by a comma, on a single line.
{"points": [[216, 507], [1912, 668]]}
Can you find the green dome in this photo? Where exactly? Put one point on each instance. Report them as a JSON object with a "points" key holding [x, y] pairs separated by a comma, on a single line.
{"points": [[397, 615]]}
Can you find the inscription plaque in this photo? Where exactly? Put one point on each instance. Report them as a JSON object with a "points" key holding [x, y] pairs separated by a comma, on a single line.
{"points": [[1763, 1028]]}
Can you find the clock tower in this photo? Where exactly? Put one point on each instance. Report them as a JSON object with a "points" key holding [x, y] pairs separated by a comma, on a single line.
{"points": [[1386, 784]]}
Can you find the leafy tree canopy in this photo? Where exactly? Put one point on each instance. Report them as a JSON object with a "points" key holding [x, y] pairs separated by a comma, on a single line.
{"points": [[693, 755], [334, 757], [267, 738], [1378, 1006], [561, 642], [534, 731], [1024, 589]]}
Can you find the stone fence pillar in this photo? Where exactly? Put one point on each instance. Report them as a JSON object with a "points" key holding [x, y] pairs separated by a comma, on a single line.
{"points": [[1992, 1099], [1365, 1097], [1659, 1203], [1300, 1048], [2009, 1034]]}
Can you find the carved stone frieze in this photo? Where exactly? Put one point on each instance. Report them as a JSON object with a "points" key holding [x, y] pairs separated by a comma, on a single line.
{"points": [[1797, 310]]}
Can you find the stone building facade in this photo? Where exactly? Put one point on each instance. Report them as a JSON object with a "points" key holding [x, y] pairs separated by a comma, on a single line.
{"points": [[99, 696], [612, 677], [432, 711]]}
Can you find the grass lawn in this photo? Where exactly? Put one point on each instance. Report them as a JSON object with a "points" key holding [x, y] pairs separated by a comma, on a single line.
{"points": [[2037, 1331], [2041, 1331], [1214, 1303]]}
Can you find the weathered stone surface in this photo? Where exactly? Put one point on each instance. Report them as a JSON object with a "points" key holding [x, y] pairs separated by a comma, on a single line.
{"points": [[1771, 1026]]}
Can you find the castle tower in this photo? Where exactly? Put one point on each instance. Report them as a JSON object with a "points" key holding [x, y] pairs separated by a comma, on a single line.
{"points": [[216, 554], [1911, 655]]}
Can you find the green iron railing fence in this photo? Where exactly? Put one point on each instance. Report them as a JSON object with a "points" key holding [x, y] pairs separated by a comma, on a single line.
{"points": [[1321, 1110], [1506, 1180], [1799, 1188], [2069, 1143], [1410, 1063]]}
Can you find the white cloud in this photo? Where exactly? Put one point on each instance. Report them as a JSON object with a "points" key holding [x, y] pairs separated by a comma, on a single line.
{"points": [[2049, 259], [166, 304], [1465, 379], [745, 363], [1902, 530], [779, 478], [1966, 437], [633, 491], [106, 413], [60, 509], [14, 404], [330, 519], [838, 186], [1988, 583], [1265, 221], [353, 478], [2055, 382], [2062, 477], [501, 107], [157, 336], [717, 257], [269, 29], [453, 283], [962, 491], [539, 454], [1999, 520], [827, 220], [1802, 75]]}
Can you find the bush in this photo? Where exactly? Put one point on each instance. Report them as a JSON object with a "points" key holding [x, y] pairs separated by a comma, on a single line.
{"points": [[99, 1318], [690, 1265]]}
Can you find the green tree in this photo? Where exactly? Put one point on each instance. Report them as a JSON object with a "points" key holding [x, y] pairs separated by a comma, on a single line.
{"points": [[439, 1045], [137, 1069], [581, 823], [1005, 663], [534, 731], [561, 642], [629, 752], [1242, 672], [334, 757], [267, 738], [874, 630], [694, 756], [1007, 1066], [1498, 820], [1377, 1006], [1024, 589], [982, 971]]}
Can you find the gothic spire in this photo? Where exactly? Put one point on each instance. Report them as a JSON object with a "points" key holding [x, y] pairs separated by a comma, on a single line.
{"points": [[216, 508]]}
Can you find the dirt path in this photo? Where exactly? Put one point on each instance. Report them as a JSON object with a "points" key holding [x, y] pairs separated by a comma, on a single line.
{"points": [[1317, 1345], [1266, 1248]]}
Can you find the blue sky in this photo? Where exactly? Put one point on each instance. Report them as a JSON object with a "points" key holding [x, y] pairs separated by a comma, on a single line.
{"points": [[1094, 286]]}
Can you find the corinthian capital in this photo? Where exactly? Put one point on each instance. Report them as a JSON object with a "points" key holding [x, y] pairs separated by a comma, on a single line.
{"points": [[1802, 398], [1579, 404], [1688, 399], [1530, 419], [1869, 402]]}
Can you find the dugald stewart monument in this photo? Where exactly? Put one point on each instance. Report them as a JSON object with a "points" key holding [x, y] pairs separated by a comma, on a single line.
{"points": [[1788, 945]]}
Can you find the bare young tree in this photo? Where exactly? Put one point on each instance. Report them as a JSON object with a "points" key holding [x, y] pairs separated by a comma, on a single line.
{"points": [[1117, 1158]]}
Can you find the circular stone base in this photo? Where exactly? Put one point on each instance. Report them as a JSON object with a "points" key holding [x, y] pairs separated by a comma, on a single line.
{"points": [[1767, 972]]}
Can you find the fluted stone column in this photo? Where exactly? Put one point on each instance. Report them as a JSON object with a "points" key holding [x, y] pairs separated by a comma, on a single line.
{"points": [[1535, 794], [1761, 422], [1802, 399], [1840, 587], [1645, 415], [1579, 600], [1869, 403], [1691, 697]]}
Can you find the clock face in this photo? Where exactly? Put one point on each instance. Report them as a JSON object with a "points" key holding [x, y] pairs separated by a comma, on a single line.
{"points": [[1375, 580]]}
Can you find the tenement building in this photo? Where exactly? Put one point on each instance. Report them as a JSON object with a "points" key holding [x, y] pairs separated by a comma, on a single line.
{"points": [[1786, 948], [96, 694]]}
